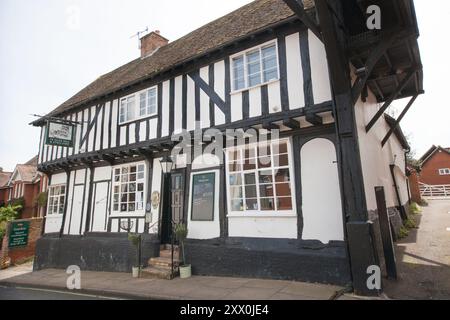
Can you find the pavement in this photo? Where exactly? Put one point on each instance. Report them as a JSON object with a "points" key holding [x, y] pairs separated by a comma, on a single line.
{"points": [[423, 258], [122, 285]]}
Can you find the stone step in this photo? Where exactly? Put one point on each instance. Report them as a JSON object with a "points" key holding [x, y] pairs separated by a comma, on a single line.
{"points": [[152, 272], [168, 254], [168, 247], [163, 262]]}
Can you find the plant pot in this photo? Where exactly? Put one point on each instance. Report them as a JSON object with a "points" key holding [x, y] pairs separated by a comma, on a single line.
{"points": [[185, 271], [135, 272]]}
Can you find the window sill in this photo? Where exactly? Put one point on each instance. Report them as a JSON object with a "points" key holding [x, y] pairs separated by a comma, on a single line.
{"points": [[152, 116], [287, 214], [254, 87], [128, 214], [50, 216]]}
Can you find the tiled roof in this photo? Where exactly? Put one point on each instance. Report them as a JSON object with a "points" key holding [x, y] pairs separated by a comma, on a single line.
{"points": [[244, 21], [4, 178]]}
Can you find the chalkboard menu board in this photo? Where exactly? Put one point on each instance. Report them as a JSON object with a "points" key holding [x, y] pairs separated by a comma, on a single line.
{"points": [[18, 236], [203, 197]]}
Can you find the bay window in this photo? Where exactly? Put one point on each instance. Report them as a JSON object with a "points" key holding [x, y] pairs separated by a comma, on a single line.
{"points": [[255, 66], [128, 188], [56, 200], [259, 178]]}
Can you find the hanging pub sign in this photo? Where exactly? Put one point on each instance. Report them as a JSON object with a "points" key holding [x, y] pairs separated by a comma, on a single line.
{"points": [[203, 197], [60, 134]]}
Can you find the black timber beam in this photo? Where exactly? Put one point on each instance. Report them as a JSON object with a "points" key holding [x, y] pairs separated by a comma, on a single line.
{"points": [[397, 122], [359, 232], [269, 126], [314, 119], [299, 10], [388, 102], [291, 123], [373, 59]]}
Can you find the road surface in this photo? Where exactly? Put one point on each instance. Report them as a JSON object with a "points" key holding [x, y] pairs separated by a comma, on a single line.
{"points": [[8, 293]]}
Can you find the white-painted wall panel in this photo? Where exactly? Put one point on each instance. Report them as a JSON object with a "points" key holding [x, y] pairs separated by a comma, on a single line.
{"points": [[236, 106], [77, 206], [102, 173], [165, 109], [153, 128], [190, 104], [98, 124], [178, 109], [132, 133], [114, 129], [123, 135], [78, 134], [80, 174], [255, 102], [219, 87], [106, 125], [92, 132], [319, 69], [274, 97], [156, 186], [142, 130], [100, 207], [204, 100], [294, 72], [263, 227]]}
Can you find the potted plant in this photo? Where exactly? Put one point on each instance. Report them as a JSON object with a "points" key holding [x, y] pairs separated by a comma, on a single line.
{"points": [[135, 239], [181, 233]]}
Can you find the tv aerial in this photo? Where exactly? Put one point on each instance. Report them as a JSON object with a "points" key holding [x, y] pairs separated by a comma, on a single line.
{"points": [[138, 35]]}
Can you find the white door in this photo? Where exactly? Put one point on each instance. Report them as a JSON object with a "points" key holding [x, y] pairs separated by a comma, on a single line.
{"points": [[100, 207], [77, 207], [322, 211]]}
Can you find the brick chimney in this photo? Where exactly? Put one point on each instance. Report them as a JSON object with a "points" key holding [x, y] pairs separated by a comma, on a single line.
{"points": [[152, 42]]}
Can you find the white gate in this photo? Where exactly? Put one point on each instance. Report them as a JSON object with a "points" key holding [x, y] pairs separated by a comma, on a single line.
{"points": [[435, 191]]}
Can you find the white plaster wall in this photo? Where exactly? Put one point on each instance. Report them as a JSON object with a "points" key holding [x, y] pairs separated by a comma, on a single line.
{"points": [[102, 173], [375, 160], [219, 87], [263, 227], [294, 72], [165, 109], [204, 100], [322, 206], [319, 69]]}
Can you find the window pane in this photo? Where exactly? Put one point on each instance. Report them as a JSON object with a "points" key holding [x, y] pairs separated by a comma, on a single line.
{"points": [[283, 189], [237, 205], [140, 187], [267, 204], [281, 160], [151, 105], [264, 162], [249, 153], [132, 197], [282, 175], [265, 176], [238, 73], [251, 204], [250, 192], [233, 155], [124, 187], [132, 177], [254, 79], [123, 207], [270, 67], [235, 179], [266, 190], [235, 192], [284, 203], [250, 164], [133, 169], [280, 148], [116, 207], [142, 104], [132, 187], [264, 151], [250, 178], [234, 166]]}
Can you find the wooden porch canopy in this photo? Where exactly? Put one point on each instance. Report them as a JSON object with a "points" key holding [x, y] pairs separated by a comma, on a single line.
{"points": [[386, 61]]}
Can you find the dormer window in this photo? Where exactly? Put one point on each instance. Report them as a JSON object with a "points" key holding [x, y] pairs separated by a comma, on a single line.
{"points": [[255, 67], [130, 110]]}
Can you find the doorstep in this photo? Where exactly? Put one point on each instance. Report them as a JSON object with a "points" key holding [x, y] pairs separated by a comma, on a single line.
{"points": [[197, 287]]}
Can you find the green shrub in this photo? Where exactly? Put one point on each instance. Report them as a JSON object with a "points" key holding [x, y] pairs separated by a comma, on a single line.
{"points": [[403, 233], [41, 199], [7, 214], [414, 208], [410, 224], [423, 203]]}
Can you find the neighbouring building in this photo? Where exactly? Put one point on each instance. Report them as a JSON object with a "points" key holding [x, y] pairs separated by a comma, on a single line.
{"points": [[24, 186], [4, 188], [435, 166], [296, 206]]}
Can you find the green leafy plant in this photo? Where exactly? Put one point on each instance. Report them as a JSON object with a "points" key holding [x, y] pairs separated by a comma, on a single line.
{"points": [[414, 208], [135, 240], [7, 214], [403, 233], [41, 199], [181, 233], [410, 224], [18, 203], [423, 203]]}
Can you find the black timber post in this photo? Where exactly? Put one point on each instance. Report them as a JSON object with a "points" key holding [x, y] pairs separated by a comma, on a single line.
{"points": [[386, 234], [359, 231], [90, 195]]}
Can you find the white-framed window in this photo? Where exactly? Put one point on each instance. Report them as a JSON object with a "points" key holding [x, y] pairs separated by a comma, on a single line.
{"points": [[128, 188], [260, 178], [56, 199], [255, 66], [138, 105], [444, 172]]}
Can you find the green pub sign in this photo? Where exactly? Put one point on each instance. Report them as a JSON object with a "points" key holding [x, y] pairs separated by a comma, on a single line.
{"points": [[60, 134], [18, 236]]}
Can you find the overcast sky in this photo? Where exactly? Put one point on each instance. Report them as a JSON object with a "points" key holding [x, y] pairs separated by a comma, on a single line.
{"points": [[47, 55]]}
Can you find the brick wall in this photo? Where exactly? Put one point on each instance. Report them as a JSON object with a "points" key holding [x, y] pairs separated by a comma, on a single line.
{"points": [[17, 255], [414, 187], [430, 170]]}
